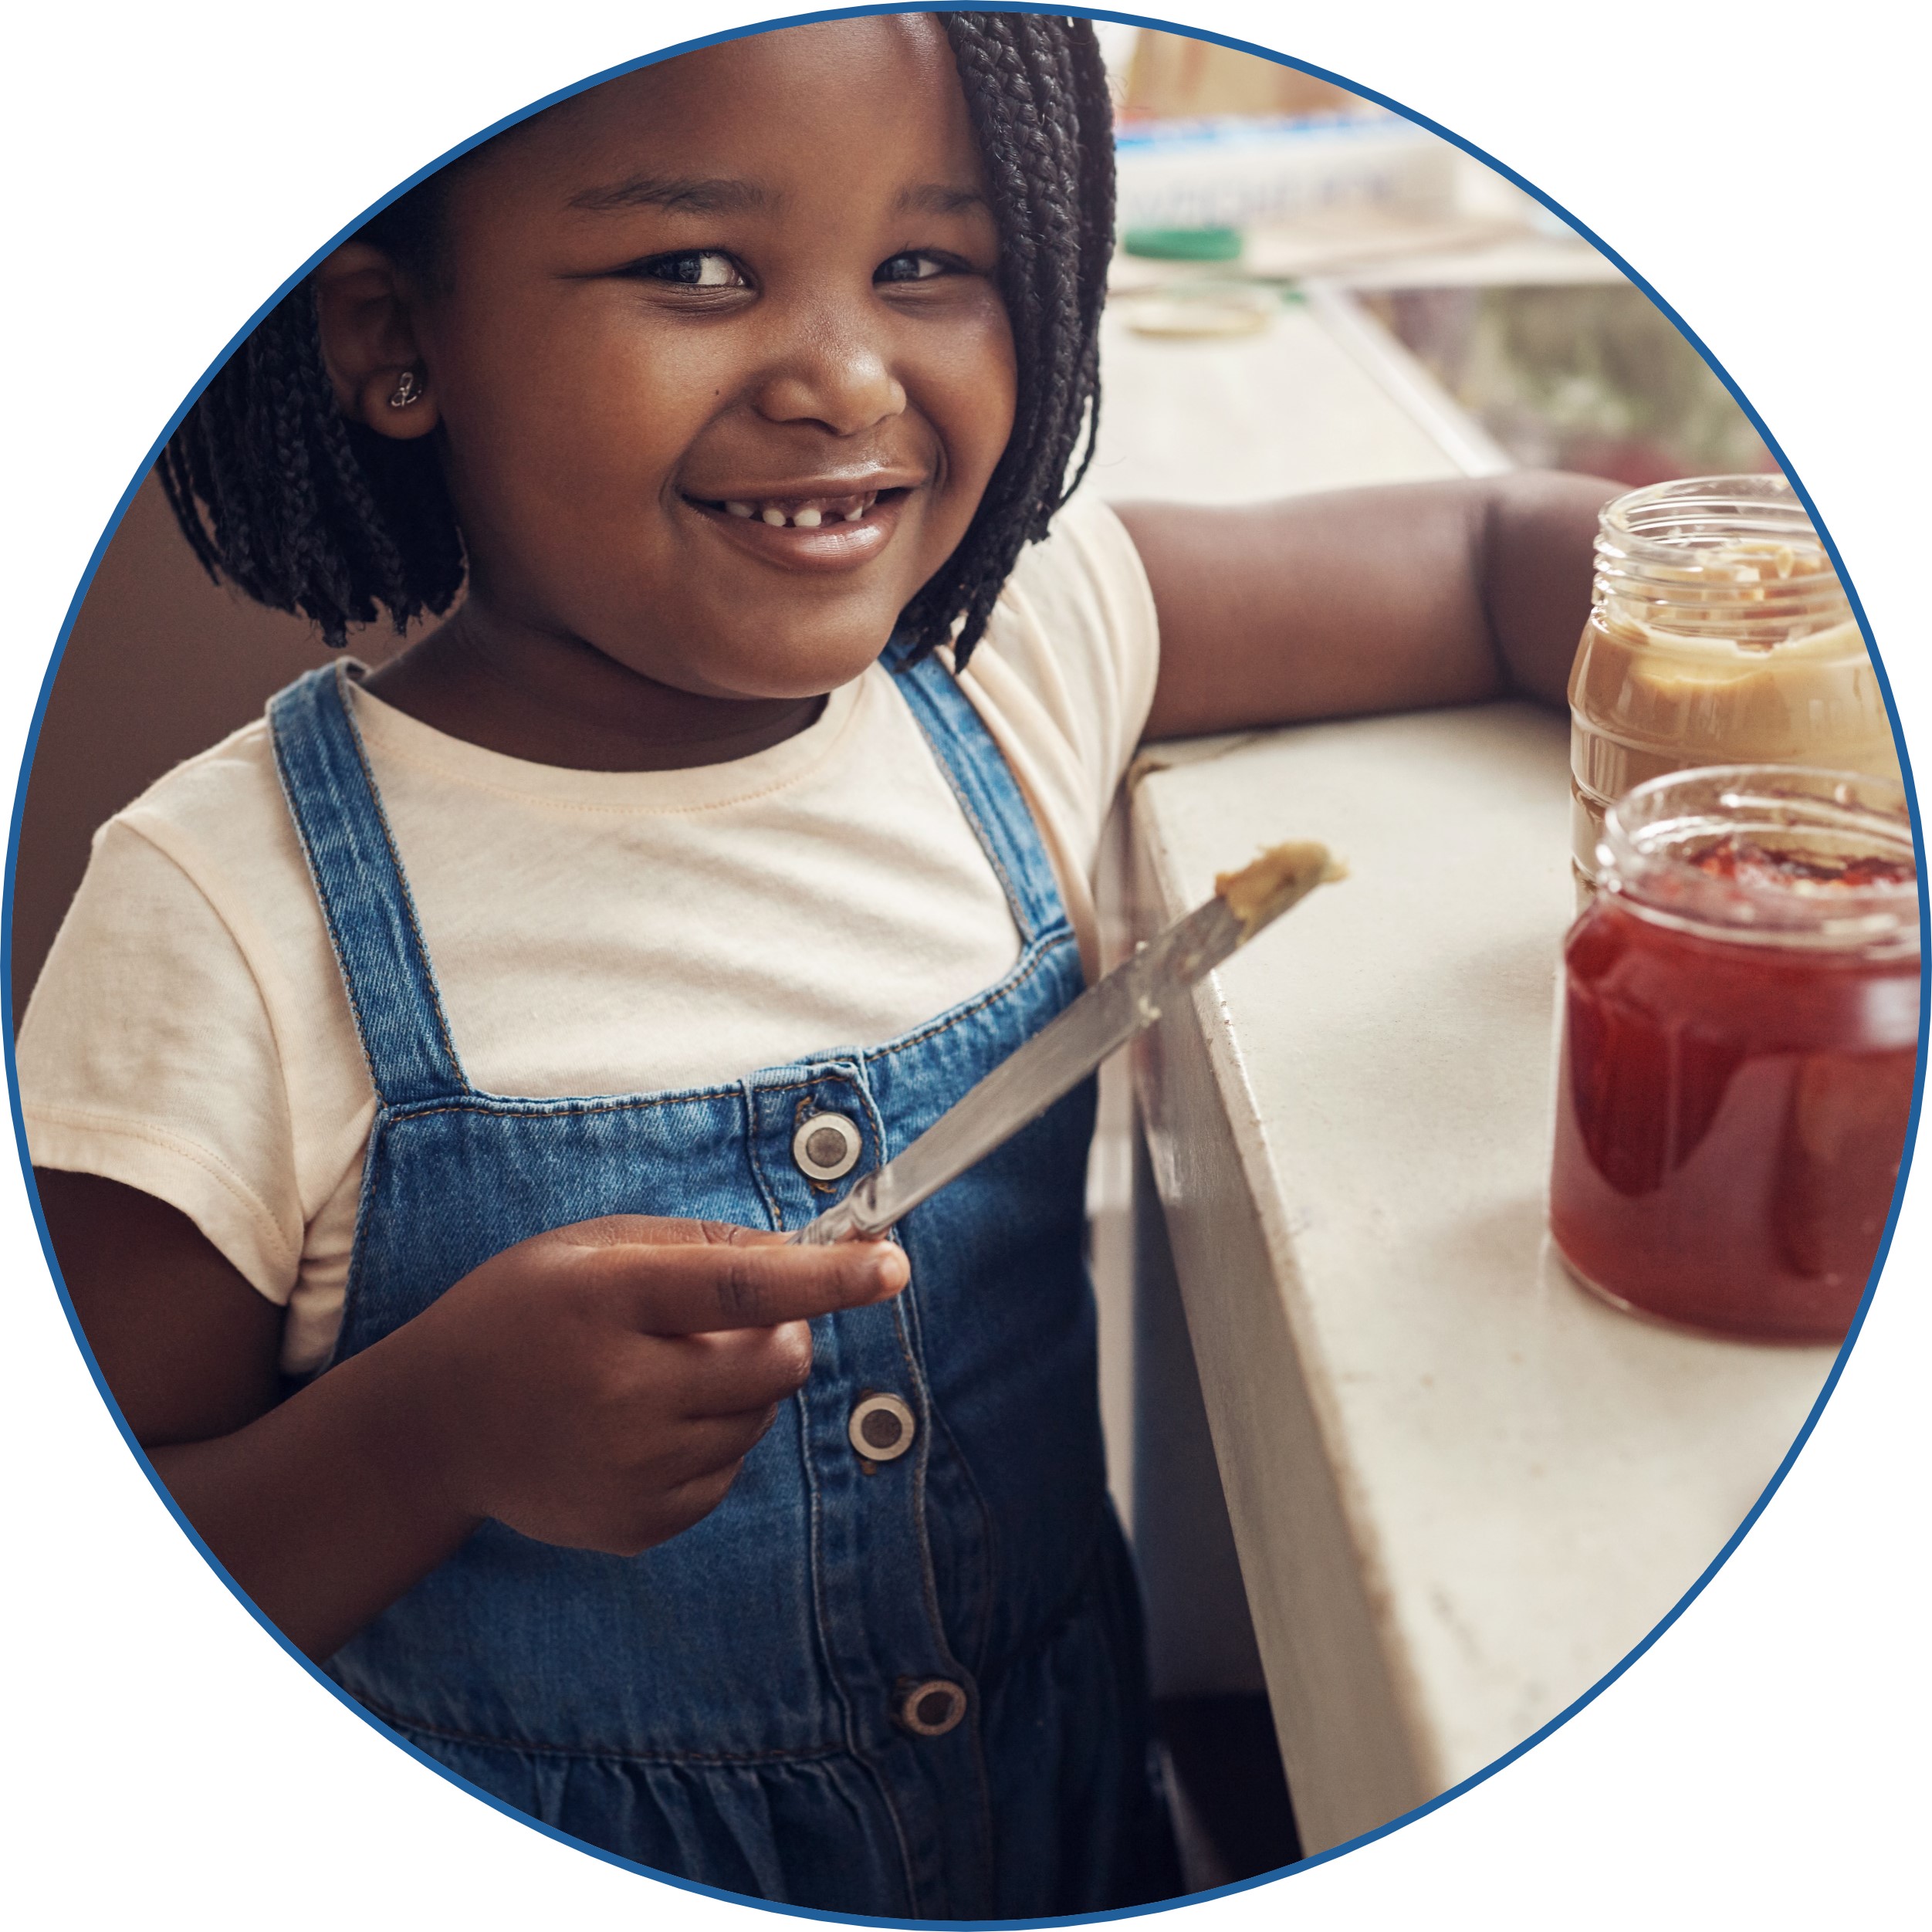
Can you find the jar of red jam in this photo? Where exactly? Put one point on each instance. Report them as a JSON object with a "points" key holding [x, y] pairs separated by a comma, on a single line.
{"points": [[1739, 1038]]}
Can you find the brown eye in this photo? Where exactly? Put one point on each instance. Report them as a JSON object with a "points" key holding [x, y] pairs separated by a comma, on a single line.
{"points": [[695, 269], [910, 267]]}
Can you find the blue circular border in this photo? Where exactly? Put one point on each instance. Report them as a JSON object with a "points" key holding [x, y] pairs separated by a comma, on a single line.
{"points": [[631, 66]]}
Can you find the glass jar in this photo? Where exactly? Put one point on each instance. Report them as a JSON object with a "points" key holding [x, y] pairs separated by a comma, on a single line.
{"points": [[1719, 634], [1740, 1037]]}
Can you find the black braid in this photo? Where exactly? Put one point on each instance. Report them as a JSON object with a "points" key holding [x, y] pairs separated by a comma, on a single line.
{"points": [[1037, 95], [307, 512]]}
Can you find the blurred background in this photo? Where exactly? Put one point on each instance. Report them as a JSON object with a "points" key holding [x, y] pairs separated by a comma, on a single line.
{"points": [[1310, 292], [1245, 185]]}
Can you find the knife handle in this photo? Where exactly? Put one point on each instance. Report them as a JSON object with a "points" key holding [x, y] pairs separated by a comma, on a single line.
{"points": [[854, 1219], [836, 1224]]}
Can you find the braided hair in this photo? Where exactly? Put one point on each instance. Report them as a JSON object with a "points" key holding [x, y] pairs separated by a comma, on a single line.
{"points": [[308, 511]]}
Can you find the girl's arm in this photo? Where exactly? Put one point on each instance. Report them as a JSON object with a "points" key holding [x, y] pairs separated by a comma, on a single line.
{"points": [[1386, 599], [597, 1387], [325, 1509]]}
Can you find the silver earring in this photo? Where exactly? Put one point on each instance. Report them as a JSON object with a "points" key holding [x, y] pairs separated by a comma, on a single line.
{"points": [[407, 392]]}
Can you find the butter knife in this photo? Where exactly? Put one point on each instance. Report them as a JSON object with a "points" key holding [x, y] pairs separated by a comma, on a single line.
{"points": [[1069, 1047]]}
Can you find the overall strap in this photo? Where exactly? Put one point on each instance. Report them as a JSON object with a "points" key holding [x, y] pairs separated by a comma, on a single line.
{"points": [[987, 791], [365, 899]]}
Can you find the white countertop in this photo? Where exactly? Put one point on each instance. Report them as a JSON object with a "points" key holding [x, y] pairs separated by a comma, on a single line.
{"points": [[1461, 1488]]}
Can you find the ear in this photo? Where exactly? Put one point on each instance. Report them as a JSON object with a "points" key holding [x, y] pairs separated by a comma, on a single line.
{"points": [[369, 344]]}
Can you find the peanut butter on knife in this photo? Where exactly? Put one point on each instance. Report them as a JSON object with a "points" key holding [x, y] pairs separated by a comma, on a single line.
{"points": [[1266, 884]]}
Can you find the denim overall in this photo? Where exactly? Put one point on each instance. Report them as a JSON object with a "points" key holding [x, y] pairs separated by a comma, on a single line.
{"points": [[907, 1684]]}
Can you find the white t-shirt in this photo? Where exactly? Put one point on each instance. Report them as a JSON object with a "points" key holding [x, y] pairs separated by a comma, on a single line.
{"points": [[591, 931]]}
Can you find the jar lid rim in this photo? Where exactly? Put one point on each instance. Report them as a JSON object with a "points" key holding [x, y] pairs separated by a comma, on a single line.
{"points": [[1642, 861], [1763, 503]]}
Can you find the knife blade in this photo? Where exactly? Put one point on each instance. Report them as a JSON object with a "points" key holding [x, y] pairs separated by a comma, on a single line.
{"points": [[1069, 1047]]}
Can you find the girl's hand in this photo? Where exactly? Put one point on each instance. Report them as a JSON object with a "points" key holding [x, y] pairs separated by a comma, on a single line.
{"points": [[596, 1386], [599, 1386]]}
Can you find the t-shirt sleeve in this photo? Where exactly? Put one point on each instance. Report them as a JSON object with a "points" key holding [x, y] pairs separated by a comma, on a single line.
{"points": [[148, 1056], [1064, 679], [1077, 626]]}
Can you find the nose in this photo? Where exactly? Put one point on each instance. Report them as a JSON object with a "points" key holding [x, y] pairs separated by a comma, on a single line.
{"points": [[830, 368]]}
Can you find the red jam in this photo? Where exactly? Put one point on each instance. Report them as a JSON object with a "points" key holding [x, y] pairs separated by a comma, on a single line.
{"points": [[1731, 1113], [1753, 864]]}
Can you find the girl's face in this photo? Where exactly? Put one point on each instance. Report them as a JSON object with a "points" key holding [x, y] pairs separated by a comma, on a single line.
{"points": [[719, 358]]}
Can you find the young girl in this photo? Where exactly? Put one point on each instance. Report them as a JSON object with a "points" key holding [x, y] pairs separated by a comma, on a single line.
{"points": [[425, 1077]]}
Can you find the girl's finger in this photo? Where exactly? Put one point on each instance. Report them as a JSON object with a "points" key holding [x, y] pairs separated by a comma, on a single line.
{"points": [[732, 1370], [714, 1443], [654, 1230], [695, 1288], [695, 1500]]}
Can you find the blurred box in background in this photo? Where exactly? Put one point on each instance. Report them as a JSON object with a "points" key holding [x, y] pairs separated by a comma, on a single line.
{"points": [[1242, 172], [1209, 136], [1172, 78]]}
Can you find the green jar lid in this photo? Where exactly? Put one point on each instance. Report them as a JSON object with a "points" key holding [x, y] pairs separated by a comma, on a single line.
{"points": [[1184, 243]]}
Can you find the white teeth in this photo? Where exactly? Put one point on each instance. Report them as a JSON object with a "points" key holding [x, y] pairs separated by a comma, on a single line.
{"points": [[810, 518]]}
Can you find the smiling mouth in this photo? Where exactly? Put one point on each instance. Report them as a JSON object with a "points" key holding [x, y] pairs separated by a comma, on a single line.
{"points": [[801, 513]]}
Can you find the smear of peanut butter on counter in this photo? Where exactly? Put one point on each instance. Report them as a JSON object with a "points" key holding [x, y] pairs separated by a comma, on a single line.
{"points": [[1269, 884]]}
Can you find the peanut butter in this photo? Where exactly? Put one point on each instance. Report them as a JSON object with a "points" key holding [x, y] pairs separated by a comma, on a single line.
{"points": [[1267, 886], [1741, 650]]}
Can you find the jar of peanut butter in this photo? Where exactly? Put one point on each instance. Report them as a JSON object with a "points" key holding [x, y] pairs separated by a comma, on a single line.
{"points": [[1719, 633]]}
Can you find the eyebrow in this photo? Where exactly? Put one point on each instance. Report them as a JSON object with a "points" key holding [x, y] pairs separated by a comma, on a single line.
{"points": [[935, 197], [723, 196], [726, 196]]}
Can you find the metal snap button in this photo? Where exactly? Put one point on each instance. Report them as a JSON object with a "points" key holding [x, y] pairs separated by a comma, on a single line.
{"points": [[881, 1428], [930, 1707], [827, 1146]]}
